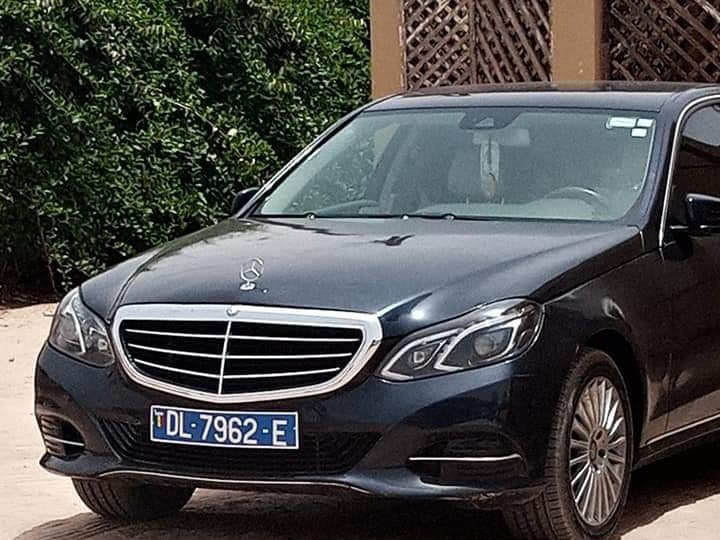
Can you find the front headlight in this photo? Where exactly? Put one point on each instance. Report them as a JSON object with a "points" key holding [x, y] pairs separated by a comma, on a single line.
{"points": [[79, 333], [492, 333]]}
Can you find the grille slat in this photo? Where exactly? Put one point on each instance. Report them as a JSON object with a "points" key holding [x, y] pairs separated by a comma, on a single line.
{"points": [[174, 334], [236, 357], [176, 370], [174, 351], [285, 374], [298, 339], [285, 356]]}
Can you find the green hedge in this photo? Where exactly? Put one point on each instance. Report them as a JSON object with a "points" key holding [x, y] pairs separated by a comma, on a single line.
{"points": [[124, 123]]}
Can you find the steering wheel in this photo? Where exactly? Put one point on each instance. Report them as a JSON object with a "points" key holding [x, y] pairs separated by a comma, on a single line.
{"points": [[584, 194]]}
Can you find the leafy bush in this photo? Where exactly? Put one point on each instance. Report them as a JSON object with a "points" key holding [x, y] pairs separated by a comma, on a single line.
{"points": [[124, 123]]}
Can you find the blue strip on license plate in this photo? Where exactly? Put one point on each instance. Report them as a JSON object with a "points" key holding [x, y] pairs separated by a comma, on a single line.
{"points": [[219, 428]]}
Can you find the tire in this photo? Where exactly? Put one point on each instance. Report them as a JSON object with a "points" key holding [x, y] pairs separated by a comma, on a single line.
{"points": [[555, 515], [125, 501]]}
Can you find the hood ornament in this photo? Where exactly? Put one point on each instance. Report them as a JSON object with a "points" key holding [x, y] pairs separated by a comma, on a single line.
{"points": [[250, 272]]}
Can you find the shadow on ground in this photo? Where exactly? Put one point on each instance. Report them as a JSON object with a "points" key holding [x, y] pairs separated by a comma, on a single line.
{"points": [[657, 490]]}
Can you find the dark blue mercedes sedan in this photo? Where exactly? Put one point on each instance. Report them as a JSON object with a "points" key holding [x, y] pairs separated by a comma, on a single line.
{"points": [[508, 296]]}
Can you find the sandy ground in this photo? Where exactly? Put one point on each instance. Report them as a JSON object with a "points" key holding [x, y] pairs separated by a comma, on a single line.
{"points": [[674, 500]]}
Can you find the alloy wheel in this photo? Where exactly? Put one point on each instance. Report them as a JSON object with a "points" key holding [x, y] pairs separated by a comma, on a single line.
{"points": [[598, 452]]}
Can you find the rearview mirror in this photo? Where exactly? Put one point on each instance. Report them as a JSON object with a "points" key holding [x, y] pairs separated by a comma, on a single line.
{"points": [[241, 199], [703, 214], [512, 137]]}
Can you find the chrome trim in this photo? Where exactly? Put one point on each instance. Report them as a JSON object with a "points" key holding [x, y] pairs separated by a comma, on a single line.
{"points": [[298, 339], [221, 481], [489, 459], [175, 351], [63, 441], [238, 356], [682, 429], [673, 160], [174, 334], [369, 325], [282, 374], [226, 344], [286, 356], [237, 377], [176, 370]]}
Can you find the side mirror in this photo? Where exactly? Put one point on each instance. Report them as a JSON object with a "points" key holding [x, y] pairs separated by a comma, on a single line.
{"points": [[241, 199], [703, 214]]}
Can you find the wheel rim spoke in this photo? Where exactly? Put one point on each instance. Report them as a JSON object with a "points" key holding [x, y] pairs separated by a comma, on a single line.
{"points": [[582, 458], [617, 444], [598, 451], [602, 400], [594, 402], [582, 475], [579, 445], [616, 426], [607, 495], [612, 414], [588, 494], [583, 416], [586, 476], [616, 458], [581, 430], [612, 488], [616, 478]]}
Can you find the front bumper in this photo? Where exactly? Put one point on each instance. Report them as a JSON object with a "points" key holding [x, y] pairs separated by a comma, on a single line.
{"points": [[478, 435]]}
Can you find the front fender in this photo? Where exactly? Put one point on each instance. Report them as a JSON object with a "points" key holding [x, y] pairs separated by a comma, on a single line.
{"points": [[632, 301]]}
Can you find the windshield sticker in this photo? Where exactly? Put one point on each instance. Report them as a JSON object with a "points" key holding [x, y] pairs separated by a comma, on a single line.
{"points": [[639, 127], [621, 122]]}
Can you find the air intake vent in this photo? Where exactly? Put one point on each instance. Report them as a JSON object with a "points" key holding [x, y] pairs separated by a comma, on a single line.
{"points": [[454, 445], [319, 453], [61, 438]]}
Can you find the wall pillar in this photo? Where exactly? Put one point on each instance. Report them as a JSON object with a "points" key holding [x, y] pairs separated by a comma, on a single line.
{"points": [[577, 40], [387, 50]]}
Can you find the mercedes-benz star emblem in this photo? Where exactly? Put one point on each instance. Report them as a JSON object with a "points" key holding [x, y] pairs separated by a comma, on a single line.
{"points": [[250, 272]]}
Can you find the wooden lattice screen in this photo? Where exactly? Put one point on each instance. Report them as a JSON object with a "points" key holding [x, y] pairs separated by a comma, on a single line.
{"points": [[476, 41], [673, 40]]}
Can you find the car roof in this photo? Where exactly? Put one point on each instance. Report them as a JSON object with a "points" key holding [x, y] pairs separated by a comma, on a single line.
{"points": [[640, 96]]}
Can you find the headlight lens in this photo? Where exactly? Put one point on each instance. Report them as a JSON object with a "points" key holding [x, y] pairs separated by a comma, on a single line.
{"points": [[490, 334], [79, 333]]}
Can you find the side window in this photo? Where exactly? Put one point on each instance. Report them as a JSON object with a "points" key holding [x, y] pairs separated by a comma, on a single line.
{"points": [[697, 169]]}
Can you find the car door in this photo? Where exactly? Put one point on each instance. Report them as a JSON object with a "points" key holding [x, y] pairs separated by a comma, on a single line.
{"points": [[693, 273]]}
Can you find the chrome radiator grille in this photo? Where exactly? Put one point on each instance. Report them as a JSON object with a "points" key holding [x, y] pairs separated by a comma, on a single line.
{"points": [[248, 354]]}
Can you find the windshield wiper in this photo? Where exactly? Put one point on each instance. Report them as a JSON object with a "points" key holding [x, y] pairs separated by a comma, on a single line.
{"points": [[314, 215], [446, 215]]}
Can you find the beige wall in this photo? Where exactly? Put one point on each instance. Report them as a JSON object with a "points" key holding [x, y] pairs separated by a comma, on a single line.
{"points": [[577, 40], [388, 58]]}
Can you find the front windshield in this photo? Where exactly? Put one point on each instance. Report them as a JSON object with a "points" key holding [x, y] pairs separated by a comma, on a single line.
{"points": [[479, 163]]}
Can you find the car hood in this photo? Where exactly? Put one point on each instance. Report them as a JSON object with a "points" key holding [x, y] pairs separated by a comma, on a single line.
{"points": [[411, 272]]}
